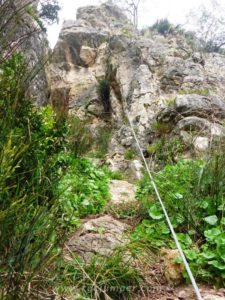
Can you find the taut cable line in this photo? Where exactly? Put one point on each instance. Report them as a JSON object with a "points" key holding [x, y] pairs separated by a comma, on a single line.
{"points": [[194, 284]]}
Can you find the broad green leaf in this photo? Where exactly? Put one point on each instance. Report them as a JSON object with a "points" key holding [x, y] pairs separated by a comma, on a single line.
{"points": [[146, 223], [212, 220], [204, 204], [217, 264], [159, 243], [208, 254], [192, 232], [211, 234], [191, 254], [220, 241], [163, 228], [178, 196], [155, 213], [184, 238], [221, 207], [221, 251], [85, 202], [177, 220]]}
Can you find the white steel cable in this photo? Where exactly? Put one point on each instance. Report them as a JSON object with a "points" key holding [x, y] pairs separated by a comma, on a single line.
{"points": [[194, 284]]}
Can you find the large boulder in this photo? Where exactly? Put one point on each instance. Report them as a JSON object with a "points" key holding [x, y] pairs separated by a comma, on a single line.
{"points": [[122, 192], [200, 105], [96, 236], [200, 124]]}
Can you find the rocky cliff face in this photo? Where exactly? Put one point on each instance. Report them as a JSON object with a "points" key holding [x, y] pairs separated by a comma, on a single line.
{"points": [[157, 79]]}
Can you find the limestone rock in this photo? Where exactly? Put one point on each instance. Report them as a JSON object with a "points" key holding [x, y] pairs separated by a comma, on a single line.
{"points": [[132, 169], [200, 105], [201, 143], [173, 270], [137, 167], [184, 293], [151, 78], [88, 55], [97, 236], [202, 125], [206, 293], [107, 16], [122, 192], [117, 162], [125, 136]]}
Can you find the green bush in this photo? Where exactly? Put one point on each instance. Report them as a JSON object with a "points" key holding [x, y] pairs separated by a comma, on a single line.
{"points": [[103, 136], [175, 183], [83, 190], [191, 39], [165, 151], [162, 26], [114, 175], [44, 187], [161, 128], [193, 193], [29, 145], [79, 137], [129, 154]]}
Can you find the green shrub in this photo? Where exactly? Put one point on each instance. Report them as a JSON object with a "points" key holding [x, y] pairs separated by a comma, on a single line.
{"points": [[191, 39], [83, 190], [166, 150], [114, 175], [162, 26], [45, 191], [29, 145], [161, 128], [129, 154], [79, 136], [103, 136], [193, 193]]}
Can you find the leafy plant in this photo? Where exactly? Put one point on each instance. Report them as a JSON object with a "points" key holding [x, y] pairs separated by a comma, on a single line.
{"points": [[82, 190], [79, 136], [28, 175], [193, 194], [129, 154], [49, 11], [103, 136], [114, 175], [166, 150], [161, 128]]}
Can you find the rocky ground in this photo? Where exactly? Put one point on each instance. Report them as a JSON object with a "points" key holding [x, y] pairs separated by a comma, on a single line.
{"points": [[102, 234]]}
